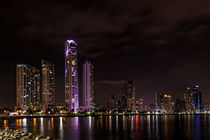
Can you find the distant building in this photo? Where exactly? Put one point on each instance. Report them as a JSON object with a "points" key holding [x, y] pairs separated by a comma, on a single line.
{"points": [[112, 103], [188, 97], [88, 86], [71, 77], [48, 84], [119, 106], [205, 107], [139, 105], [27, 86], [164, 103], [193, 102], [128, 96], [179, 106]]}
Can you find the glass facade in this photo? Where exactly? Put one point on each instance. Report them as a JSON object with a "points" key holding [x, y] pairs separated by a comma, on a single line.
{"points": [[48, 84], [27, 86], [71, 77]]}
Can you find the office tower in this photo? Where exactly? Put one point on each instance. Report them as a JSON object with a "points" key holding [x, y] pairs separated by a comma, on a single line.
{"points": [[188, 97], [128, 96], [124, 97], [48, 84], [164, 103], [193, 100], [141, 105], [71, 77], [197, 103], [88, 86], [137, 105], [27, 86], [179, 106], [111, 103]]}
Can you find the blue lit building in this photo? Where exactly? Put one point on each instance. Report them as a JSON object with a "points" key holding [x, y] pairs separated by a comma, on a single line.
{"points": [[27, 86], [196, 99], [193, 101]]}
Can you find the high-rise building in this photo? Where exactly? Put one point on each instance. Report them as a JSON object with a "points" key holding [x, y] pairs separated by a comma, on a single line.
{"points": [[27, 86], [128, 96], [48, 84], [164, 103], [71, 76], [179, 106], [111, 105], [139, 105], [88, 86], [193, 102], [188, 98]]}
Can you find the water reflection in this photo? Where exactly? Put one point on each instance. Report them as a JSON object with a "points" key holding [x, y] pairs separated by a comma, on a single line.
{"points": [[61, 128], [117, 122], [42, 126], [5, 123], [116, 127], [19, 124]]}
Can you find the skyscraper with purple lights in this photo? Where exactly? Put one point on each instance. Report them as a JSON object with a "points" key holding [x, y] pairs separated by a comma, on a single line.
{"points": [[71, 76], [88, 86]]}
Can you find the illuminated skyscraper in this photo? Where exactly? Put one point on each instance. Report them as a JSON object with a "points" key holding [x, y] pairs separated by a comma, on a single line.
{"points": [[48, 84], [27, 86], [71, 76], [188, 98], [164, 103], [193, 100], [88, 86], [139, 105], [128, 96]]}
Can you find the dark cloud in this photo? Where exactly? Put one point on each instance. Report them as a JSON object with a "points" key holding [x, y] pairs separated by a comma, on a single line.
{"points": [[110, 82]]}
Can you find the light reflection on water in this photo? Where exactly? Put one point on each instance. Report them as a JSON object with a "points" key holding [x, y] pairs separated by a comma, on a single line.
{"points": [[116, 127]]}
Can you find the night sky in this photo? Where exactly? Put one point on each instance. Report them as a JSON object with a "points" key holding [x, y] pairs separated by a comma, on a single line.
{"points": [[162, 45]]}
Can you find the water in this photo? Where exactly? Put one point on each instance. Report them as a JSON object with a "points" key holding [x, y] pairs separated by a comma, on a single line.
{"points": [[150, 127]]}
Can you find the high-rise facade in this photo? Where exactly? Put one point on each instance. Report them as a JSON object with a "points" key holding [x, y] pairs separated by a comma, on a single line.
{"points": [[88, 86], [71, 76], [128, 96], [164, 103], [111, 105], [139, 105], [188, 98], [193, 102], [27, 86], [48, 84]]}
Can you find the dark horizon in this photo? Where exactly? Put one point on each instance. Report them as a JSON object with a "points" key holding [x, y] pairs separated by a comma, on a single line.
{"points": [[163, 46]]}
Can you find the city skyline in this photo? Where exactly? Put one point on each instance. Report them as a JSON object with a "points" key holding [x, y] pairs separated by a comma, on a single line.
{"points": [[105, 69], [156, 45], [28, 90]]}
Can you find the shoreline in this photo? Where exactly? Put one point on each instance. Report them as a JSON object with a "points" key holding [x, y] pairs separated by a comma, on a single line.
{"points": [[69, 116]]}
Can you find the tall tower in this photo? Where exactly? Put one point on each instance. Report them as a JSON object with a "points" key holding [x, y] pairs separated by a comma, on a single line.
{"points": [[48, 84], [71, 77], [188, 97], [193, 100], [197, 102], [88, 86], [128, 96], [27, 86]]}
